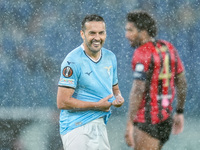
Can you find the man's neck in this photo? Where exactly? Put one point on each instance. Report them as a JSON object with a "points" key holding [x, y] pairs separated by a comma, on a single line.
{"points": [[94, 56], [150, 39]]}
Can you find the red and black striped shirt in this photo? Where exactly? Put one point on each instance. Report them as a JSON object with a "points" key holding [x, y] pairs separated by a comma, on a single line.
{"points": [[157, 63]]}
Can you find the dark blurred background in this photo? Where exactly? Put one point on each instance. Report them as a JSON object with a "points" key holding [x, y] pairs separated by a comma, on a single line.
{"points": [[36, 35]]}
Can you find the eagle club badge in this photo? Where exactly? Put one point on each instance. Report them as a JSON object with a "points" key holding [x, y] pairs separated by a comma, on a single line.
{"points": [[108, 69], [67, 72]]}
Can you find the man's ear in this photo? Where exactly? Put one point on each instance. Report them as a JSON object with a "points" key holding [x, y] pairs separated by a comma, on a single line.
{"points": [[144, 33], [82, 34]]}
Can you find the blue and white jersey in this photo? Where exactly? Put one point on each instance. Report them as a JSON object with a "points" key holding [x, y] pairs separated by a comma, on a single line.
{"points": [[91, 80]]}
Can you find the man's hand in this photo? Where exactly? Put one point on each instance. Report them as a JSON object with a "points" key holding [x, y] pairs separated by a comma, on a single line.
{"points": [[103, 104], [118, 102], [178, 123]]}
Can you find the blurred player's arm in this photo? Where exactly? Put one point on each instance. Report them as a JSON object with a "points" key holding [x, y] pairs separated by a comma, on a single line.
{"points": [[181, 89], [135, 99], [66, 101], [118, 102]]}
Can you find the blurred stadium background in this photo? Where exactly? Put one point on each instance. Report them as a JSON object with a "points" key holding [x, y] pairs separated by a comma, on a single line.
{"points": [[36, 35]]}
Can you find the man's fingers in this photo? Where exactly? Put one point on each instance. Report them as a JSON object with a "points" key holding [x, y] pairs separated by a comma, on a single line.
{"points": [[109, 96], [177, 128]]}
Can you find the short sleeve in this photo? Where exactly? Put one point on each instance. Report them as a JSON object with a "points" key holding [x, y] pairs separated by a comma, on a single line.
{"points": [[140, 64], [179, 64], [69, 73]]}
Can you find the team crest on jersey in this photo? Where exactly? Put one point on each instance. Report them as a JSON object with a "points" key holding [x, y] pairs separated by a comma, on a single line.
{"points": [[67, 72], [108, 69]]}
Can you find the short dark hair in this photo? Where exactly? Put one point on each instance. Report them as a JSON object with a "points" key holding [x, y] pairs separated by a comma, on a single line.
{"points": [[88, 18], [143, 21]]}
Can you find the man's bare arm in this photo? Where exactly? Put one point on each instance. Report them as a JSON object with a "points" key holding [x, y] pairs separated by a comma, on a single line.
{"points": [[66, 101], [181, 89]]}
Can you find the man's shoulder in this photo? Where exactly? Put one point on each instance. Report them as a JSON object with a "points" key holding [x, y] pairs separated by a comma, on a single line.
{"points": [[107, 51], [166, 42], [144, 49], [75, 52], [74, 55]]}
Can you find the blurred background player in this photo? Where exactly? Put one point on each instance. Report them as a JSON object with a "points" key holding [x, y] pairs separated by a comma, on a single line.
{"points": [[158, 70], [88, 87]]}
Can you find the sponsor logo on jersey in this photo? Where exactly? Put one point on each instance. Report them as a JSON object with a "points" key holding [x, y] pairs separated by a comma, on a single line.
{"points": [[66, 81], [69, 62], [88, 73]]}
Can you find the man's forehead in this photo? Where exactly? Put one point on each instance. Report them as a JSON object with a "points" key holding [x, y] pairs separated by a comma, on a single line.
{"points": [[95, 25], [130, 24]]}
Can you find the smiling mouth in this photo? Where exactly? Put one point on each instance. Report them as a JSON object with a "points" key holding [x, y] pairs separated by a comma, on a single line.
{"points": [[96, 43]]}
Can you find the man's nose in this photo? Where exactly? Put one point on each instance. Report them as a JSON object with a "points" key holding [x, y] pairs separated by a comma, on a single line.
{"points": [[97, 37], [126, 35]]}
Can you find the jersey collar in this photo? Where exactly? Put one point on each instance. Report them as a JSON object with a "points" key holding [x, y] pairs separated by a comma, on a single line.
{"points": [[95, 61]]}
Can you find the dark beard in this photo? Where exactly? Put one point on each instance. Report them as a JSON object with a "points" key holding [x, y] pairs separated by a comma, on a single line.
{"points": [[135, 45]]}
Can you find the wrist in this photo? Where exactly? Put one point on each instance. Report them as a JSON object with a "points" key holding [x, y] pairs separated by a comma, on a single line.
{"points": [[179, 110], [119, 94]]}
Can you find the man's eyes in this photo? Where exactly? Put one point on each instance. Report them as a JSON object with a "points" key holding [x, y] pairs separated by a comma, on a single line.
{"points": [[93, 33], [101, 33]]}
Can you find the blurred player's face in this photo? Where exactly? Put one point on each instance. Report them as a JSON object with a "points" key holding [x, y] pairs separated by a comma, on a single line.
{"points": [[133, 35], [94, 36]]}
